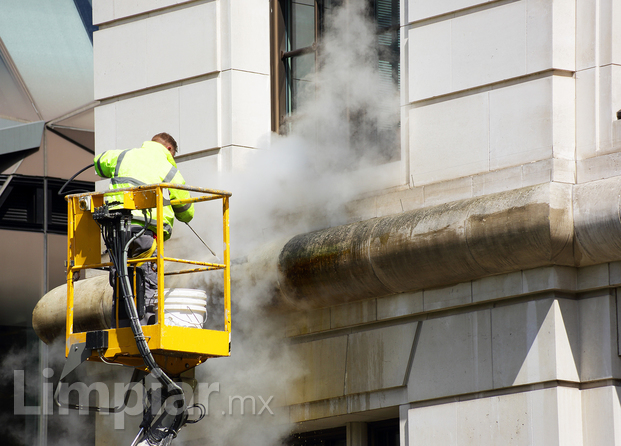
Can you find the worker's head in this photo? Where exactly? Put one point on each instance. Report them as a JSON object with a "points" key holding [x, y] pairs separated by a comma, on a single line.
{"points": [[167, 141]]}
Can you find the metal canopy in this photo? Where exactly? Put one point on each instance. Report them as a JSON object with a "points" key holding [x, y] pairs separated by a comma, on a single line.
{"points": [[17, 137]]}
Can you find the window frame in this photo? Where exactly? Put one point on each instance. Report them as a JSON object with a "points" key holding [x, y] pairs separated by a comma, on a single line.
{"points": [[283, 102]]}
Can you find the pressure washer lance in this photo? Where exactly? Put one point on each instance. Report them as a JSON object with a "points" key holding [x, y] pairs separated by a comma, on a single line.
{"points": [[199, 237]]}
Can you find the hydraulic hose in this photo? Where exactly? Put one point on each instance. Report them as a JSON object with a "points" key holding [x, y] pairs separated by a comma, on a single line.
{"points": [[171, 387], [62, 189]]}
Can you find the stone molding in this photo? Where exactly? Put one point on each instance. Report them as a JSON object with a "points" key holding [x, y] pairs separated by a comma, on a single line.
{"points": [[536, 226]]}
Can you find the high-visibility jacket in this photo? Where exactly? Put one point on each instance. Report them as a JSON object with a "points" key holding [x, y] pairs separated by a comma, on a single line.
{"points": [[152, 163]]}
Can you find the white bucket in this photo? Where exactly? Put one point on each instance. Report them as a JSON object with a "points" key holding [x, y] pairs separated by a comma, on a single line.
{"points": [[184, 307]]}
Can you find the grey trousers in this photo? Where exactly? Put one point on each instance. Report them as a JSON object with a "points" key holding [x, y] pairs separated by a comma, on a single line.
{"points": [[140, 245]]}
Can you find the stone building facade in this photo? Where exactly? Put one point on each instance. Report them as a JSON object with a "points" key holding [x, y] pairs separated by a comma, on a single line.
{"points": [[472, 298]]}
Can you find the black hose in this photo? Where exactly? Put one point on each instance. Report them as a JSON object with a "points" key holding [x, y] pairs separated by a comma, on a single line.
{"points": [[60, 192], [141, 342]]}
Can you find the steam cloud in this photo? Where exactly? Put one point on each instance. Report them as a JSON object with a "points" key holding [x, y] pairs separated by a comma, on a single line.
{"points": [[341, 130], [297, 183]]}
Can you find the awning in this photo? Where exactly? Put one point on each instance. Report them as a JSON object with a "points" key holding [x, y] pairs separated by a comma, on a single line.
{"points": [[17, 137]]}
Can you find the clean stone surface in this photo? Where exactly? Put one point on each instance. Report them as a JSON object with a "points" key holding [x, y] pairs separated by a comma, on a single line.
{"points": [[453, 356], [541, 417], [188, 46]]}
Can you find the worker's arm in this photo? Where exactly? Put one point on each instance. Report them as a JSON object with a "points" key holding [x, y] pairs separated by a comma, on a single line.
{"points": [[105, 164], [183, 212]]}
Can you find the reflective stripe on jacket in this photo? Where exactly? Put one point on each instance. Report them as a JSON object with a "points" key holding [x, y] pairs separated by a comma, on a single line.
{"points": [[150, 164]]}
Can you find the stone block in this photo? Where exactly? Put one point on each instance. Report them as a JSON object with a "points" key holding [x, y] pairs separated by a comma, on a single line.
{"points": [[586, 34], [399, 305], [608, 11], [601, 415], [105, 123], [520, 118], [108, 10], [585, 114], [447, 191], [598, 334], [460, 294], [119, 73], [429, 58], [388, 207], [324, 361], [199, 127], [103, 11], [318, 409], [159, 112], [186, 39], [188, 112], [249, 36], [380, 399], [616, 134], [567, 339], [378, 359], [245, 99], [549, 278], [535, 341], [411, 199], [353, 313], [308, 322], [599, 167], [449, 139], [540, 417], [359, 210], [614, 105], [563, 117], [539, 35], [489, 45], [200, 174], [537, 172], [597, 101], [421, 9], [615, 33], [614, 269], [608, 102], [402, 201], [523, 343], [497, 287], [453, 356], [593, 277], [497, 181], [563, 26], [564, 171]]}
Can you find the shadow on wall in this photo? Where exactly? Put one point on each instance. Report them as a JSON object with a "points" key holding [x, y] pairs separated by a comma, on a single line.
{"points": [[546, 339]]}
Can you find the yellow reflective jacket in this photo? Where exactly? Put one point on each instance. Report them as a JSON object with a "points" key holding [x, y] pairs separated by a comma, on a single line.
{"points": [[150, 164]]}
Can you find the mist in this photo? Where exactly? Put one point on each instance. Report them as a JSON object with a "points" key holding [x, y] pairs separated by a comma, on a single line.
{"points": [[24, 370], [345, 125], [293, 184]]}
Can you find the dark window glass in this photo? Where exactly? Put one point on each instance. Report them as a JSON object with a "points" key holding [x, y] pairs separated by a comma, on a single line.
{"points": [[298, 34], [22, 203], [384, 433], [328, 437]]}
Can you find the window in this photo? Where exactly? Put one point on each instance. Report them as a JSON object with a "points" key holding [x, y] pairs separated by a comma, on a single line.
{"points": [[384, 433], [23, 207], [299, 28], [327, 437]]}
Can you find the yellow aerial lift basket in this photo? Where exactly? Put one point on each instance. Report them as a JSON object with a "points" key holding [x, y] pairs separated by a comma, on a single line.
{"points": [[174, 348]]}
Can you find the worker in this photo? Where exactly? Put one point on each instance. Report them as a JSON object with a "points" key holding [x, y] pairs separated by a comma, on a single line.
{"points": [[152, 163]]}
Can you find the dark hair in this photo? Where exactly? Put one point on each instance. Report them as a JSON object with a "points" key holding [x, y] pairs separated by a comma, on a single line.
{"points": [[166, 139]]}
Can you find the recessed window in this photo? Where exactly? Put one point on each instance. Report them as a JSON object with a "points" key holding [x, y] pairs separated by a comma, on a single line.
{"points": [[299, 31], [384, 433], [327, 437], [23, 207]]}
